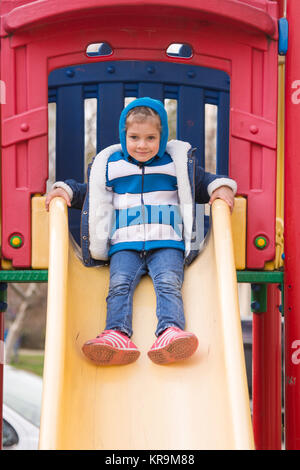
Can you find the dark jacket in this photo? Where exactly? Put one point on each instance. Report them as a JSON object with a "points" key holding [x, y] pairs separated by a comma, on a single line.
{"points": [[200, 186], [96, 201]]}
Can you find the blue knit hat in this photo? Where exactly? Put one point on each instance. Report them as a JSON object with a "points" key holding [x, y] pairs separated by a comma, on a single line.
{"points": [[159, 108]]}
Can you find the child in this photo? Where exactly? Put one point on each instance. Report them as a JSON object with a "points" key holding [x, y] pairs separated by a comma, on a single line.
{"points": [[138, 212]]}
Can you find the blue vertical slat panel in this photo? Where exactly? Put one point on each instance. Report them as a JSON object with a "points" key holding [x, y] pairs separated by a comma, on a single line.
{"points": [[70, 133], [70, 142], [223, 134], [191, 119], [192, 86], [152, 90], [110, 105]]}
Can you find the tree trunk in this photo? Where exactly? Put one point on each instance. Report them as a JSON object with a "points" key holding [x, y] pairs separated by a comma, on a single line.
{"points": [[15, 329]]}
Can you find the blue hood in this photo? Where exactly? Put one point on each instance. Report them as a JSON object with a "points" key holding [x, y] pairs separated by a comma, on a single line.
{"points": [[159, 108]]}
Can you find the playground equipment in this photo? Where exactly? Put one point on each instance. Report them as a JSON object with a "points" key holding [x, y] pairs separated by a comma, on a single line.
{"points": [[120, 407], [67, 52]]}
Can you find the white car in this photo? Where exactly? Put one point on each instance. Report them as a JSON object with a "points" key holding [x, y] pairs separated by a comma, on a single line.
{"points": [[22, 395]]}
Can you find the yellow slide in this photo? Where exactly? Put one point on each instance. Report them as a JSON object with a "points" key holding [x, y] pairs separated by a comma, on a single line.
{"points": [[200, 403]]}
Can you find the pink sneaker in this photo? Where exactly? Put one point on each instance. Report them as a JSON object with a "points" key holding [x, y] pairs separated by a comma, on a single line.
{"points": [[111, 348], [173, 345]]}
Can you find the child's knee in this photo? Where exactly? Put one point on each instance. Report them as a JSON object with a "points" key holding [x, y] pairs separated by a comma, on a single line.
{"points": [[168, 281], [119, 284]]}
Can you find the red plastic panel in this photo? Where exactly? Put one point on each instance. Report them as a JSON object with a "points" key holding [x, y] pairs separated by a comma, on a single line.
{"points": [[248, 56], [253, 128], [266, 373], [292, 232], [248, 14], [24, 126]]}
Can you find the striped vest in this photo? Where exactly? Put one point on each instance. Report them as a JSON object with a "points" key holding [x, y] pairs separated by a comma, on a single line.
{"points": [[145, 202]]}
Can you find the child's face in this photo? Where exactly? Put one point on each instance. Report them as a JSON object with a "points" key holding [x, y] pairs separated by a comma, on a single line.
{"points": [[143, 140]]}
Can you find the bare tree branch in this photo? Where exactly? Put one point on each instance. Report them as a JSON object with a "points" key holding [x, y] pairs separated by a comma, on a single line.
{"points": [[28, 299]]}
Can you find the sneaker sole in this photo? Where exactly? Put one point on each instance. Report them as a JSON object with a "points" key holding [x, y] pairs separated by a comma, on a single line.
{"points": [[179, 350], [107, 355]]}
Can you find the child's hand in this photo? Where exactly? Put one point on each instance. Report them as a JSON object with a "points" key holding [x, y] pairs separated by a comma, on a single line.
{"points": [[225, 193], [57, 192]]}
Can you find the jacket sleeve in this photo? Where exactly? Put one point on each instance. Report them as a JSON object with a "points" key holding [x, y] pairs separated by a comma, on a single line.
{"points": [[206, 183], [75, 190]]}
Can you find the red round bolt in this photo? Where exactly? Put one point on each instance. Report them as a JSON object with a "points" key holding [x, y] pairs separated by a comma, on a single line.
{"points": [[254, 129], [24, 127]]}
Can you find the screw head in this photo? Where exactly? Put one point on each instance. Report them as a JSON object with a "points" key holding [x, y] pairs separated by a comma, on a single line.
{"points": [[151, 69], [111, 69], [191, 74], [254, 129], [24, 127], [70, 73], [255, 305]]}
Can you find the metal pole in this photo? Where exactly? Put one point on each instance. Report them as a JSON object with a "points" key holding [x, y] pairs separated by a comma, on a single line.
{"points": [[292, 230], [266, 372]]}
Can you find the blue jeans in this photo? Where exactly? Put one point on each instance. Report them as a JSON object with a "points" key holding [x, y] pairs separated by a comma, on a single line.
{"points": [[165, 267]]}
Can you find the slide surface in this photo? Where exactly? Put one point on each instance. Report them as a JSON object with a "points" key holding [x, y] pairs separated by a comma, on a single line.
{"points": [[200, 403]]}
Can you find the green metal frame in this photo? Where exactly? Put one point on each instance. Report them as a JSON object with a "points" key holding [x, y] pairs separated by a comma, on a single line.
{"points": [[34, 275], [259, 277], [259, 281], [41, 275]]}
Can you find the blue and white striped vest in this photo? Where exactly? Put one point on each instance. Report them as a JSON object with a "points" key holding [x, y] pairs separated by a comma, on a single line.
{"points": [[146, 204]]}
